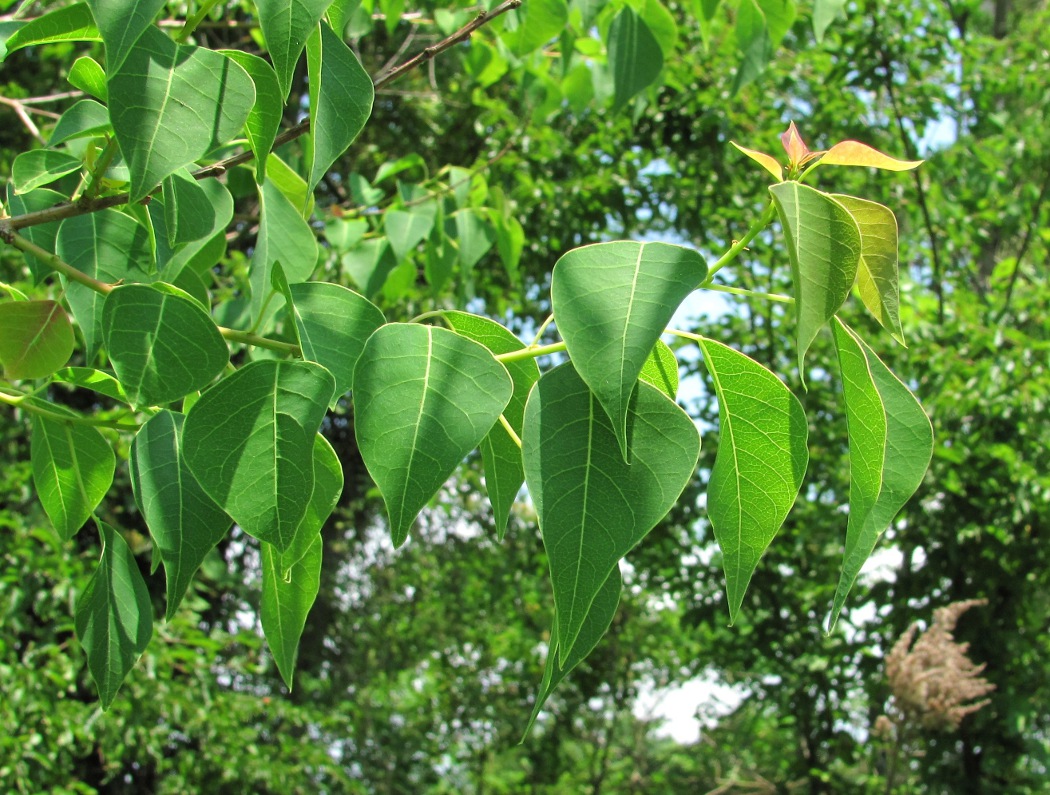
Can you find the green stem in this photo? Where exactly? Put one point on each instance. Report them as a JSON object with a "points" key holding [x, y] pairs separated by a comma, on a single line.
{"points": [[510, 431], [193, 21], [247, 338], [734, 251], [99, 171], [25, 402], [725, 288], [542, 328], [532, 352]]}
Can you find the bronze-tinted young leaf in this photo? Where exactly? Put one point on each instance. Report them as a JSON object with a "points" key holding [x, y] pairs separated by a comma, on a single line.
{"points": [[36, 338], [768, 162], [854, 153]]}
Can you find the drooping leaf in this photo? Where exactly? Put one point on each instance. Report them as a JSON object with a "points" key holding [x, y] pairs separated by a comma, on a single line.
{"points": [[334, 323], [661, 369], [184, 522], [635, 56], [539, 21], [406, 229], [877, 278], [85, 118], [767, 162], [760, 26], [36, 338], [114, 617], [286, 601], [854, 153], [286, 25], [109, 246], [73, 469], [328, 488], [283, 236], [291, 184], [890, 445], [424, 397], [162, 343], [341, 94], [824, 13], [188, 211], [67, 23], [122, 23], [88, 75], [369, 264], [249, 442], [597, 623], [172, 104], [611, 302], [593, 507], [43, 234], [762, 458], [824, 248], [264, 119], [500, 454], [39, 167]]}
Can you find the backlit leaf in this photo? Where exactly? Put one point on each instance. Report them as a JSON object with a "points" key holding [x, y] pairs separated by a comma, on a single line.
{"points": [[36, 338], [661, 369], [539, 21], [762, 458], [87, 75], [424, 397], [824, 13], [854, 153], [767, 162], [90, 378], [285, 237]]}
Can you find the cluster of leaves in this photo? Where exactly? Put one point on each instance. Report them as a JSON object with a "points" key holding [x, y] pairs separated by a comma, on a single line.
{"points": [[599, 441]]}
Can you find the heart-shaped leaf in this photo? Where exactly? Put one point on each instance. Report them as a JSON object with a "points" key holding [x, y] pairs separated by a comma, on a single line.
{"points": [[249, 441], [286, 25], [36, 338], [593, 507], [824, 247], [611, 302], [890, 447], [424, 397], [287, 597], [114, 616], [184, 522], [762, 458]]}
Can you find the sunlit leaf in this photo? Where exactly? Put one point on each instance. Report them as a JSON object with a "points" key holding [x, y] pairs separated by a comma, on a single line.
{"points": [[661, 369], [285, 237], [767, 162], [539, 21], [122, 23], [36, 338], [824, 13], [90, 378], [87, 75], [854, 153], [39, 167], [68, 23]]}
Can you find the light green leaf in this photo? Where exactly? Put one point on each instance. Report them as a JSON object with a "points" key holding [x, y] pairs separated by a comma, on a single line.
{"points": [[344, 234], [854, 153], [660, 22], [283, 236], [341, 94], [510, 242], [760, 26], [68, 23], [286, 601], [611, 302], [287, 24], [593, 507], [36, 338], [122, 23], [405, 229], [264, 119], [43, 234], [877, 278], [762, 458], [369, 264], [500, 454], [474, 238], [109, 246], [185, 523], [162, 343], [824, 13], [424, 397], [172, 104], [40, 167], [595, 625], [634, 56], [83, 119], [291, 184], [114, 617], [87, 75], [890, 446], [90, 378], [334, 323], [539, 21], [188, 211], [661, 369], [328, 488], [824, 247], [73, 469], [249, 442], [767, 162]]}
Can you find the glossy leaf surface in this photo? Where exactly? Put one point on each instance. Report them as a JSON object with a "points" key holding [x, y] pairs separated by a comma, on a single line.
{"points": [[36, 338]]}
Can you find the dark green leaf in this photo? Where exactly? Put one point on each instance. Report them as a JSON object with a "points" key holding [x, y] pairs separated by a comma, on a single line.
{"points": [[634, 56], [122, 23], [43, 234], [85, 118], [264, 119], [328, 488], [286, 601], [287, 24], [188, 211], [283, 236]]}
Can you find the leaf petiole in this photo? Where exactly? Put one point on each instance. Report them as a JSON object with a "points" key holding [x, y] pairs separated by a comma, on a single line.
{"points": [[734, 251], [532, 352], [725, 288]]}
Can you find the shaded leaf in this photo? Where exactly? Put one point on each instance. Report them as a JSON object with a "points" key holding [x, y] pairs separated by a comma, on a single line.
{"points": [[283, 236], [43, 234], [188, 211], [474, 238], [36, 338], [369, 264], [287, 24], [264, 119], [286, 601], [85, 118], [41, 167], [634, 56], [406, 229], [328, 488], [661, 369]]}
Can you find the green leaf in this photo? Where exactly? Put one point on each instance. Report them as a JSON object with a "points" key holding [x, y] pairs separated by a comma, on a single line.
{"points": [[538, 22], [424, 397], [474, 237], [824, 247], [291, 184], [328, 488], [510, 242], [369, 264], [249, 442], [501, 454], [162, 343], [204, 252], [185, 523], [287, 24], [760, 25], [634, 55], [405, 229], [854, 153], [188, 211], [73, 469], [660, 22], [36, 338], [762, 458], [334, 323], [595, 625], [824, 13], [593, 507], [341, 94], [890, 447], [114, 617], [611, 302], [264, 119], [877, 278], [69, 23], [109, 246], [122, 23], [283, 236], [43, 234], [661, 369], [286, 601], [40, 167], [87, 75], [90, 378], [172, 104], [85, 118]]}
